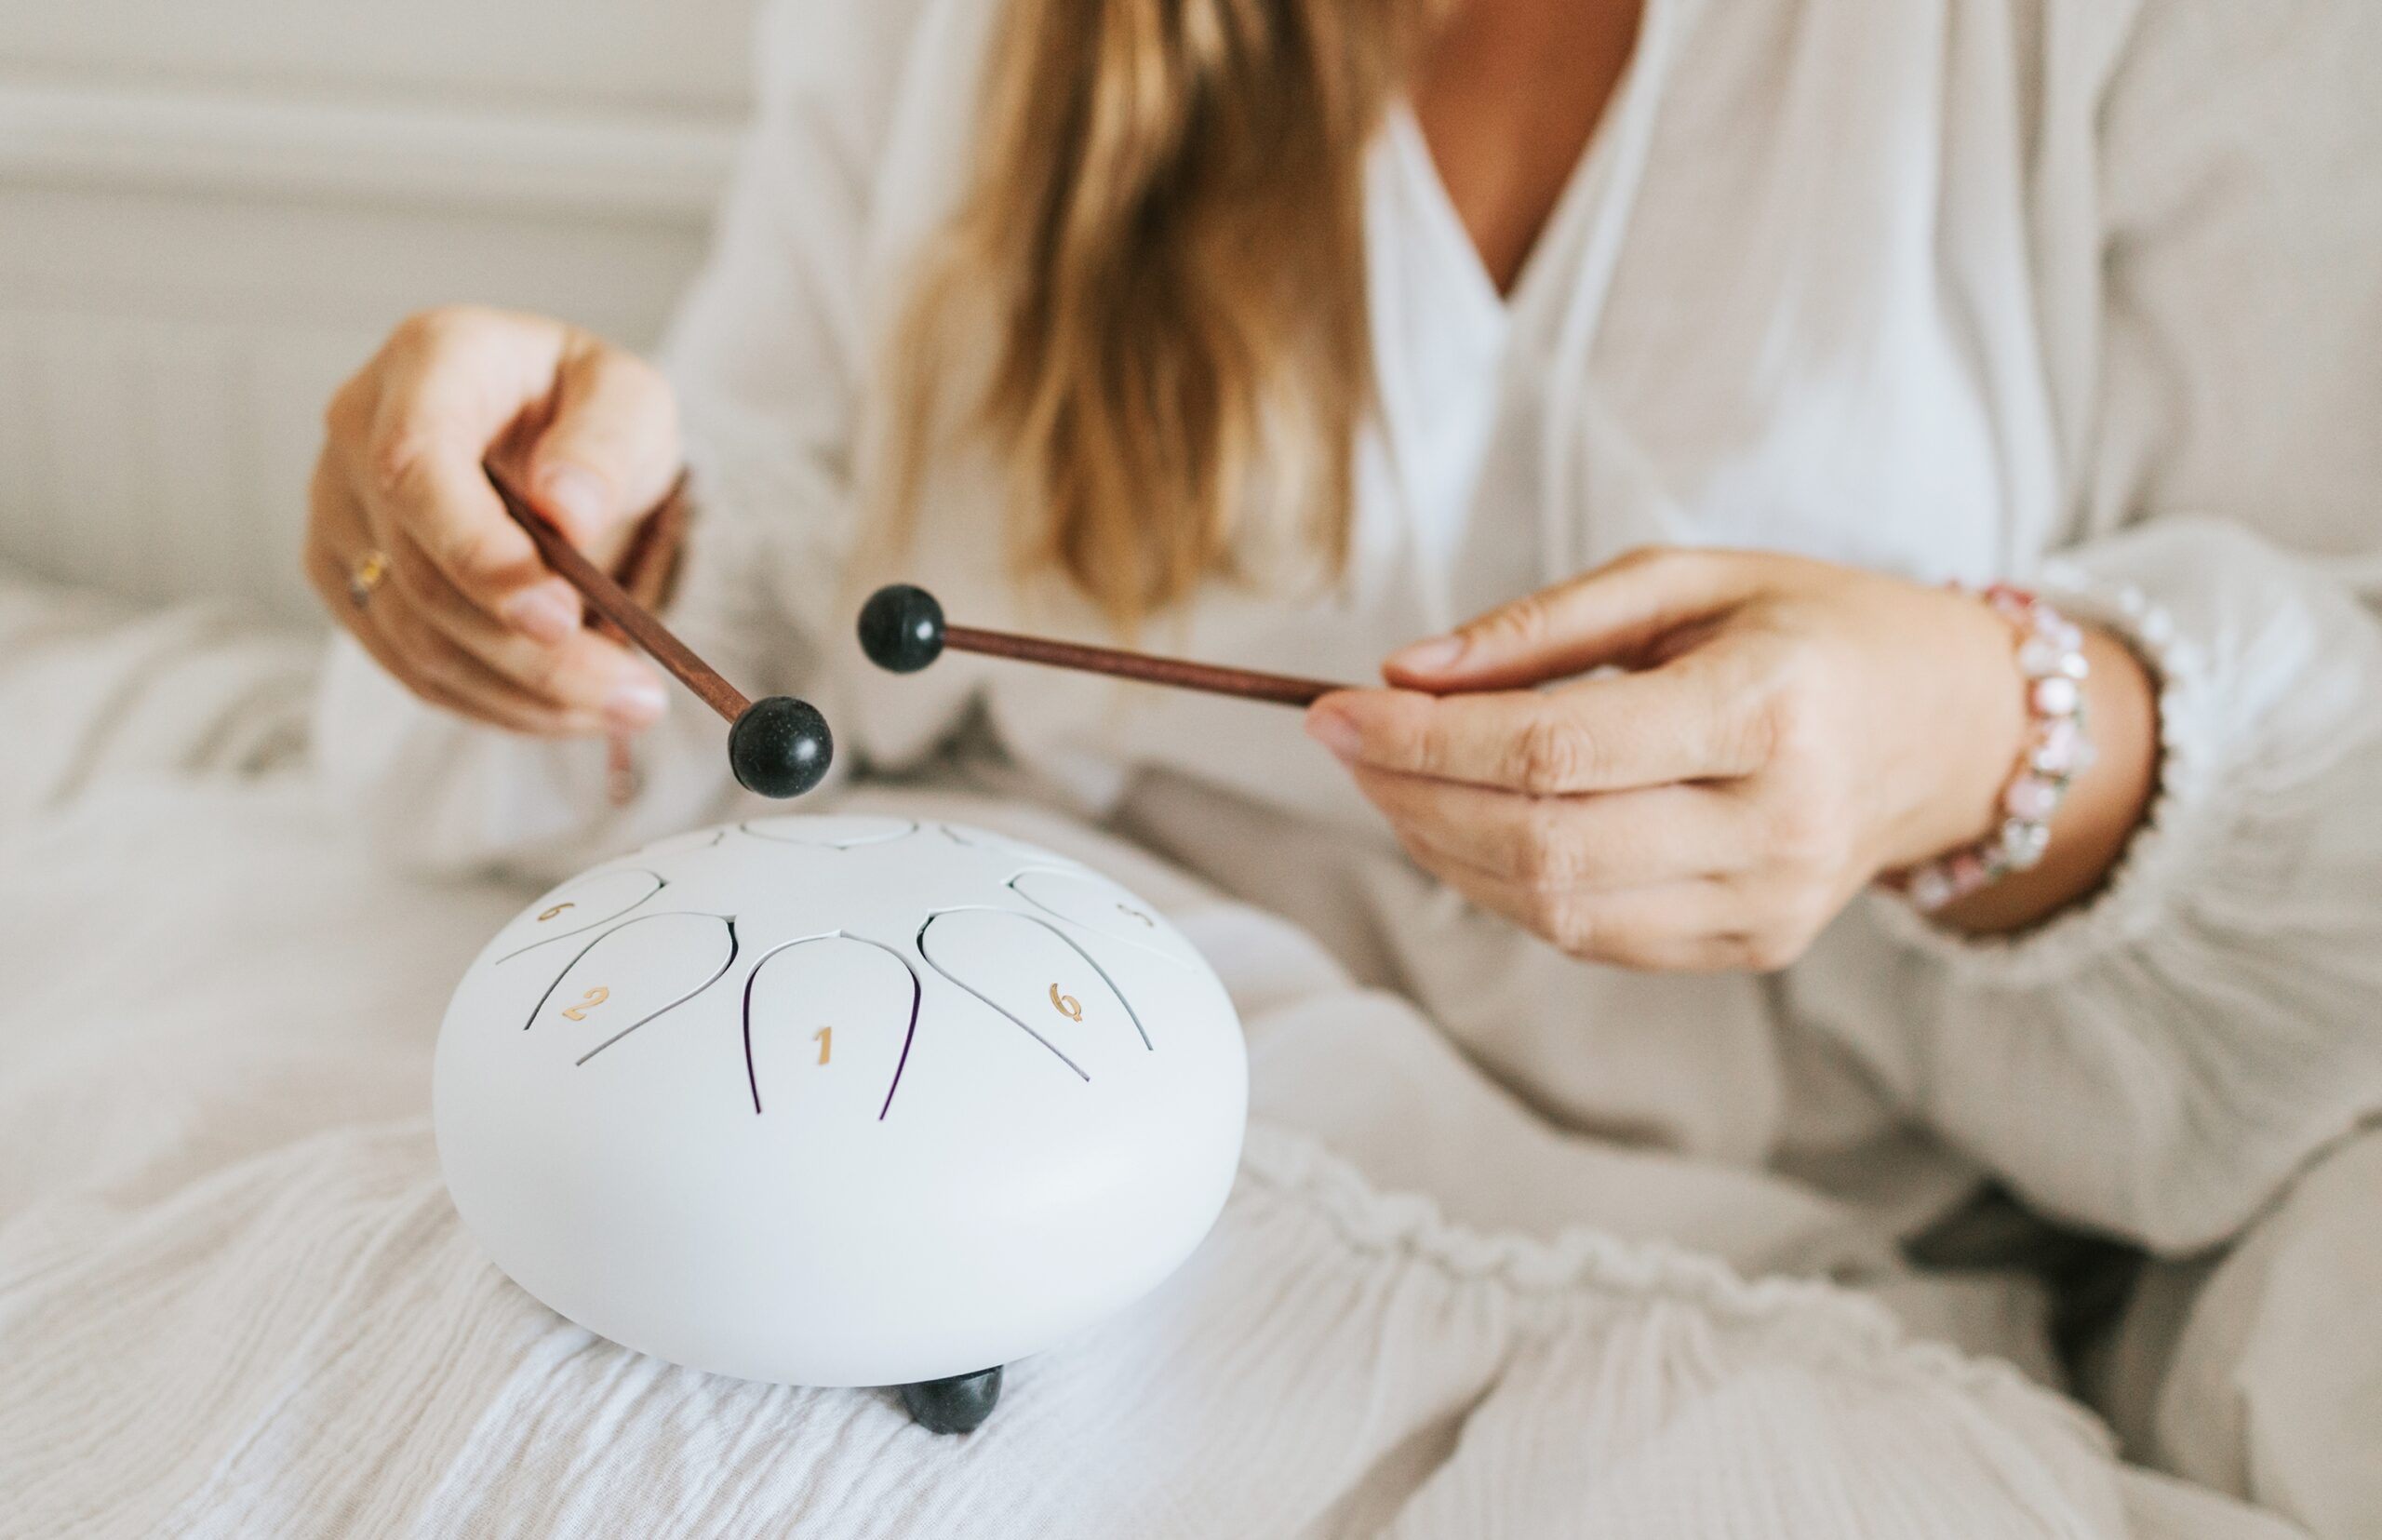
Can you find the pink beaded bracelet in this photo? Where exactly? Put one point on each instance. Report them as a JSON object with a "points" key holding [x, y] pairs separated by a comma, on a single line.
{"points": [[2051, 657]]}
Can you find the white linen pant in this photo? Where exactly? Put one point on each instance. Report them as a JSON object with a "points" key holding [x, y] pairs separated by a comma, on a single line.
{"points": [[2257, 1369]]}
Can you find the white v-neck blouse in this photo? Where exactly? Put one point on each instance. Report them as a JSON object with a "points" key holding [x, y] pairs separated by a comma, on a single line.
{"points": [[2079, 292]]}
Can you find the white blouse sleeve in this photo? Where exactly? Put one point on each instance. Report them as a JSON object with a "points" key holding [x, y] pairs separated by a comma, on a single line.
{"points": [[2160, 1061], [766, 355]]}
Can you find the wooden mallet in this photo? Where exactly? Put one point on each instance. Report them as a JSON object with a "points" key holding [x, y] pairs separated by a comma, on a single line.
{"points": [[901, 628], [778, 747]]}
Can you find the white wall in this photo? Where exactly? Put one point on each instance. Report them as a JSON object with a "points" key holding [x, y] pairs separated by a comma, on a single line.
{"points": [[208, 211]]}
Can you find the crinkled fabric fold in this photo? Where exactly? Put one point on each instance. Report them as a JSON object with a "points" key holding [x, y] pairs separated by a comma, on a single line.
{"points": [[2162, 1059], [234, 1300]]}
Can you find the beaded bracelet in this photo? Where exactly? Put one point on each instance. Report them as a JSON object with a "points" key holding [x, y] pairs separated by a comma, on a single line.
{"points": [[2051, 657]]}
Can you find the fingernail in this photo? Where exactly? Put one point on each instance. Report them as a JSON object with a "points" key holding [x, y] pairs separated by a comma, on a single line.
{"points": [[636, 702], [1428, 657], [548, 612], [1335, 733], [578, 495]]}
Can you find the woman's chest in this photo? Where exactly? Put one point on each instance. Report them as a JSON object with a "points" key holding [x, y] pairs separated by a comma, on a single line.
{"points": [[1787, 306], [1766, 315]]}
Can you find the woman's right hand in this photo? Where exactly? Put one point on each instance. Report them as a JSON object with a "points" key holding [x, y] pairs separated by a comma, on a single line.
{"points": [[466, 614]]}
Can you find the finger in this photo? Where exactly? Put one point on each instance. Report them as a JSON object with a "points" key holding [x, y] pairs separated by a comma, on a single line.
{"points": [[332, 543], [328, 566], [1679, 927], [1615, 840], [449, 390], [1692, 719], [609, 453], [418, 581], [1684, 928], [585, 672], [428, 480], [429, 638], [1613, 614], [1675, 927], [464, 682], [327, 569], [1723, 924]]}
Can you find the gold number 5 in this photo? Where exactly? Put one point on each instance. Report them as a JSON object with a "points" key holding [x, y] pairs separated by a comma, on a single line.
{"points": [[593, 998]]}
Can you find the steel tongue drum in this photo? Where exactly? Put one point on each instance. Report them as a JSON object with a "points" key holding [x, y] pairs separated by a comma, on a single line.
{"points": [[834, 1101], [841, 1100]]}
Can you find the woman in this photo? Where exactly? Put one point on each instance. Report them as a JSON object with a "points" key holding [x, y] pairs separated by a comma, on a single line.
{"points": [[1691, 349]]}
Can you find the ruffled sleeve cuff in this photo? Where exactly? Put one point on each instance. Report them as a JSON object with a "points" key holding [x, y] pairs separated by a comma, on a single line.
{"points": [[2178, 832]]}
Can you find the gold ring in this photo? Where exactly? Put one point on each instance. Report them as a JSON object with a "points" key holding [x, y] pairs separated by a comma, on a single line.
{"points": [[365, 576]]}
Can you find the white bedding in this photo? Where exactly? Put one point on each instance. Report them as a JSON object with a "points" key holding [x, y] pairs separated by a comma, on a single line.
{"points": [[233, 1299]]}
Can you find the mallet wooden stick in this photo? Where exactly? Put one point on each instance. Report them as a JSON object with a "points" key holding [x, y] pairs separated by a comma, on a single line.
{"points": [[613, 602], [901, 628], [778, 747]]}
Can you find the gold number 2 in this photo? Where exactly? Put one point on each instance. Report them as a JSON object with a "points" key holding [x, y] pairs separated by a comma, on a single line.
{"points": [[555, 910], [589, 1002], [1066, 1005], [825, 1038]]}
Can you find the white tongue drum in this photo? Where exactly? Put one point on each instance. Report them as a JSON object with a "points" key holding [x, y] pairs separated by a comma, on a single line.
{"points": [[841, 1100]]}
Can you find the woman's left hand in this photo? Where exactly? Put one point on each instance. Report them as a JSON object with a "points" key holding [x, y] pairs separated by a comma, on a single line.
{"points": [[1778, 732]]}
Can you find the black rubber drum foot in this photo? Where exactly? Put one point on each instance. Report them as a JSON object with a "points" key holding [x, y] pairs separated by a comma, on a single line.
{"points": [[957, 1405]]}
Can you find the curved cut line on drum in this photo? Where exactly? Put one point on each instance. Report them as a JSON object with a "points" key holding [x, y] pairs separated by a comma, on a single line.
{"points": [[719, 973], [674, 844], [1123, 938], [733, 948], [659, 882], [1064, 940], [917, 997], [882, 837]]}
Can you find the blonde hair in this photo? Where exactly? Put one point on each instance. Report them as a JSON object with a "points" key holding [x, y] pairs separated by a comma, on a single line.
{"points": [[1163, 233]]}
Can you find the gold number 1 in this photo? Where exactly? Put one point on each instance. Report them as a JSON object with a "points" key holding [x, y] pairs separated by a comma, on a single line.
{"points": [[827, 1039]]}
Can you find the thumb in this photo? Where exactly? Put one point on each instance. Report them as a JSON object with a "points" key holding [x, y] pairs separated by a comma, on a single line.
{"points": [[609, 451], [1612, 615]]}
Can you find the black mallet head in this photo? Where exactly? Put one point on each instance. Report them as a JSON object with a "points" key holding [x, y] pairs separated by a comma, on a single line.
{"points": [[780, 747], [901, 628]]}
